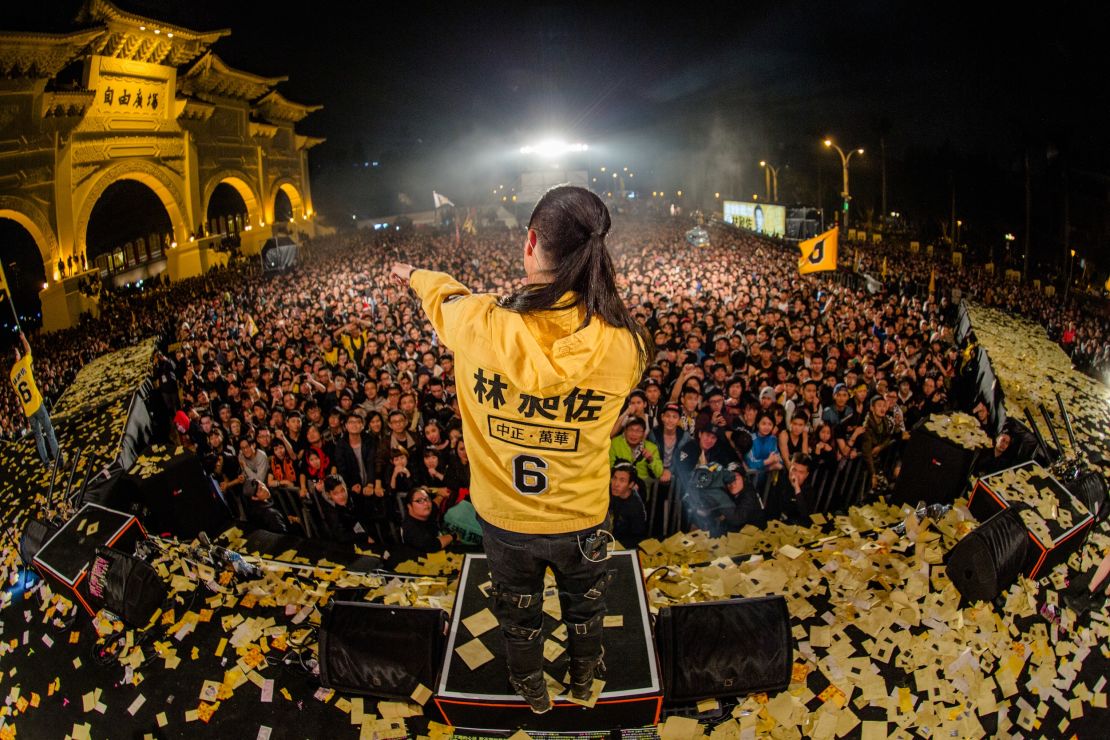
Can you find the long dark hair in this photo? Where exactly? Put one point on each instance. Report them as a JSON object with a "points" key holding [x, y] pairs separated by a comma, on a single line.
{"points": [[572, 223]]}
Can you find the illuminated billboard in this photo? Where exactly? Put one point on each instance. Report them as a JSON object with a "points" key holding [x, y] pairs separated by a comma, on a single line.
{"points": [[761, 217]]}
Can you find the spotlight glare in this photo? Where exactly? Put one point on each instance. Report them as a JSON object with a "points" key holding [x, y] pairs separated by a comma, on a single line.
{"points": [[551, 148]]}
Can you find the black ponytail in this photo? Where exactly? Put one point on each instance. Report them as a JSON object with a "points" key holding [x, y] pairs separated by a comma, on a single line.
{"points": [[572, 224]]}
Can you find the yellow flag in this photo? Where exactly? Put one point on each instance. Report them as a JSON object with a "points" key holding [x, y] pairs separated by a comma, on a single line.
{"points": [[933, 280], [252, 328], [4, 282], [818, 253], [884, 268]]}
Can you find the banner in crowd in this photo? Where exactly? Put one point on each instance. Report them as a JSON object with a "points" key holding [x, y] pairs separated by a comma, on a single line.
{"points": [[3, 283], [759, 217], [818, 253]]}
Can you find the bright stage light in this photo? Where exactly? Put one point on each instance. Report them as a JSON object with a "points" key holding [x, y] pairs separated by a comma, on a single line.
{"points": [[551, 148]]}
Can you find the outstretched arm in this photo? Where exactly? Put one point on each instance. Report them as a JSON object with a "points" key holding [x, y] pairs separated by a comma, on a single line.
{"points": [[454, 311]]}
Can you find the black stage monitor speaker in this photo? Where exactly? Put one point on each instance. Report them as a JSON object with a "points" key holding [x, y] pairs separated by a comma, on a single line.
{"points": [[127, 586], [381, 650], [118, 491], [934, 470], [1090, 489], [180, 499], [987, 562], [35, 533], [724, 648], [66, 557]]}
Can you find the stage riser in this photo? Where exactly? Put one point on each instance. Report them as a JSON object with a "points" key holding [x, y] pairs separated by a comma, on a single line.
{"points": [[482, 699]]}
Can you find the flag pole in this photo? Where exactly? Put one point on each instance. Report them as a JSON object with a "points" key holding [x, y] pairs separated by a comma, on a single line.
{"points": [[11, 301]]}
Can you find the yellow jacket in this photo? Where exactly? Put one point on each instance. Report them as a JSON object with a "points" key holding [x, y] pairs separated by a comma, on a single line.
{"points": [[23, 380], [538, 400]]}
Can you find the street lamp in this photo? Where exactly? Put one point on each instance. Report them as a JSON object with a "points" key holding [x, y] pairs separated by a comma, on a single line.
{"points": [[844, 160], [771, 178], [1071, 266]]}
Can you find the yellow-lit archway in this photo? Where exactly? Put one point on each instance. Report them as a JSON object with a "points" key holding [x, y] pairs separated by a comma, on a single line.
{"points": [[157, 178], [28, 215], [155, 104], [294, 195], [239, 181]]}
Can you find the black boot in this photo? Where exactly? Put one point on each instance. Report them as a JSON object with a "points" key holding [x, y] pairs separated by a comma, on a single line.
{"points": [[586, 653], [533, 689], [583, 671], [524, 653]]}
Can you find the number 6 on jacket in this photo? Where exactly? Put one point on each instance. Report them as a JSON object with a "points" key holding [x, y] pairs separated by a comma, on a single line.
{"points": [[529, 478]]}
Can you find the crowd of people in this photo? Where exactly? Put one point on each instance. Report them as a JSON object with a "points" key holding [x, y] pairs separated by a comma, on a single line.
{"points": [[326, 386]]}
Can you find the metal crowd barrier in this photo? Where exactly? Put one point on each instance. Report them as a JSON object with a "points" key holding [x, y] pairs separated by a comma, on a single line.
{"points": [[834, 490]]}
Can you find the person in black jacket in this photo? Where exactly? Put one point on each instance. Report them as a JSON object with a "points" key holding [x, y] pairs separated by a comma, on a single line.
{"points": [[707, 446], [341, 523], [355, 458], [420, 530], [458, 471], [626, 508], [791, 498]]}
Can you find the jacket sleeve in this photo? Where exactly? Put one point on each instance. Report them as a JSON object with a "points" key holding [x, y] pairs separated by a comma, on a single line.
{"points": [[345, 464], [656, 464], [455, 312]]}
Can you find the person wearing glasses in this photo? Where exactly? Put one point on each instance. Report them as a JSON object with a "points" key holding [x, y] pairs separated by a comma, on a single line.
{"points": [[420, 530], [541, 377]]}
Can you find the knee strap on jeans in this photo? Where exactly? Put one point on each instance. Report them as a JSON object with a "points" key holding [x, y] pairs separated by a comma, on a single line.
{"points": [[580, 607], [516, 612], [521, 633], [519, 601], [597, 590], [589, 627]]}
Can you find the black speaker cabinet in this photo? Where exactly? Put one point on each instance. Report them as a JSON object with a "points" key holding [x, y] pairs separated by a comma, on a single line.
{"points": [[126, 586], [179, 500], [67, 556], [380, 650], [1090, 489], [35, 533], [724, 648], [1012, 487], [934, 470], [988, 561]]}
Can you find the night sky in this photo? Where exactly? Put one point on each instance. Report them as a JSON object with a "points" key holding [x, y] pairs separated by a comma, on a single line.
{"points": [[690, 95]]}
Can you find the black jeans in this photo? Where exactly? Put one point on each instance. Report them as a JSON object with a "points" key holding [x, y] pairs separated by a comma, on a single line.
{"points": [[517, 563]]}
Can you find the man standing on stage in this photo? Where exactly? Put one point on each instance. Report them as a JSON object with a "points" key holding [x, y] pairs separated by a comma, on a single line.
{"points": [[542, 376], [33, 407]]}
